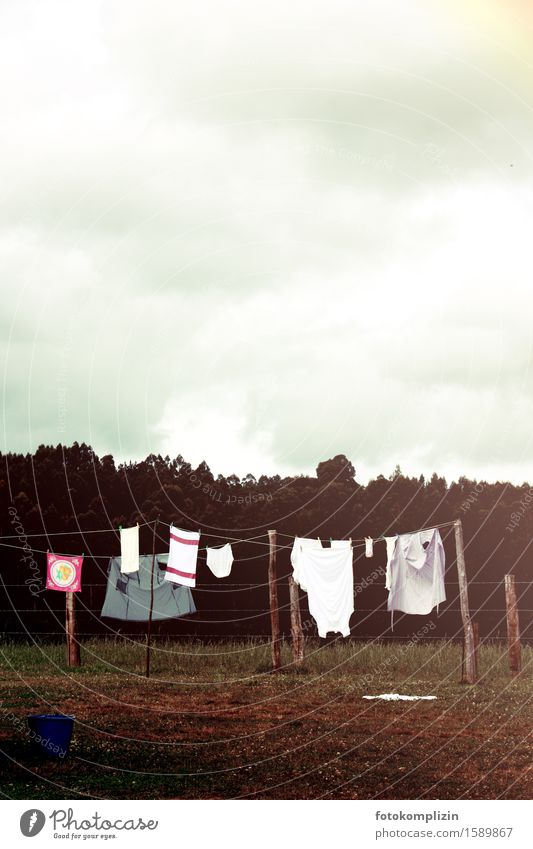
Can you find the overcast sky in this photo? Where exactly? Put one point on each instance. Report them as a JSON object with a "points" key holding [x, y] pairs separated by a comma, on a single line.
{"points": [[262, 234]]}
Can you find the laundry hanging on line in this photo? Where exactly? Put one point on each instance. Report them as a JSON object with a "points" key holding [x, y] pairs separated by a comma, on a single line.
{"points": [[391, 543], [300, 544], [183, 554], [340, 543], [63, 572], [416, 573], [128, 595], [129, 549], [327, 576], [220, 560]]}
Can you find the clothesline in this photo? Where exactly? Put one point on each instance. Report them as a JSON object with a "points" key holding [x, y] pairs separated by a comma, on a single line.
{"points": [[325, 573], [117, 530], [257, 539], [107, 556], [69, 533], [235, 540], [382, 537], [42, 551]]}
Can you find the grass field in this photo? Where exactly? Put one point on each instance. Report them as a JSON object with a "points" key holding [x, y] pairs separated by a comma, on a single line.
{"points": [[213, 722]]}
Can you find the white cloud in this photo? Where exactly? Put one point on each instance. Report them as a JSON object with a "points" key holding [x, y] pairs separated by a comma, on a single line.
{"points": [[262, 236]]}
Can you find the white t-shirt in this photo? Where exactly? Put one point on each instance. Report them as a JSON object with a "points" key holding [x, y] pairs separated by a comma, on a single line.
{"points": [[327, 575]]}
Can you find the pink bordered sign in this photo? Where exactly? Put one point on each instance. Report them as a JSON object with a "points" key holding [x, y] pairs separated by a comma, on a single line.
{"points": [[63, 573]]}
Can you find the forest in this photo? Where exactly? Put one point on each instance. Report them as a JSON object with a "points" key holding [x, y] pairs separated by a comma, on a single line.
{"points": [[48, 497]]}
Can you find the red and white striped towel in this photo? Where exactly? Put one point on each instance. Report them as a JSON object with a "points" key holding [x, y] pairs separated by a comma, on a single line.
{"points": [[181, 567]]}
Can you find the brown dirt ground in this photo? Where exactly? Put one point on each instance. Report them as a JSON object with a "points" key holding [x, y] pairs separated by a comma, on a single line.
{"points": [[271, 740]]}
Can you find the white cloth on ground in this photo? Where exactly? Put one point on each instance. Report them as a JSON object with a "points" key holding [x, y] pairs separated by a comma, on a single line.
{"points": [[391, 542], [129, 549], [183, 553], [369, 547], [417, 573], [301, 543], [220, 560], [396, 697], [327, 575]]}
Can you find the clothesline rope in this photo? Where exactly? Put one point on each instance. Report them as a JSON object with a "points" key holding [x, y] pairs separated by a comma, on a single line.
{"points": [[381, 537], [221, 536], [95, 556], [257, 538], [69, 533]]}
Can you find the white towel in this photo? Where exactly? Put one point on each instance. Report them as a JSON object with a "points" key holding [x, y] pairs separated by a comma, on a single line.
{"points": [[395, 697], [341, 543], [220, 560], [369, 547], [181, 567], [129, 549]]}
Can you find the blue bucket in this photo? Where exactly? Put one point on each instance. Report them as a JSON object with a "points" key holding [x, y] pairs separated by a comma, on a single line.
{"points": [[50, 733]]}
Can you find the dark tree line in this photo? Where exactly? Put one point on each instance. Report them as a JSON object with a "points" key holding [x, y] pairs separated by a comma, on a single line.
{"points": [[62, 488]]}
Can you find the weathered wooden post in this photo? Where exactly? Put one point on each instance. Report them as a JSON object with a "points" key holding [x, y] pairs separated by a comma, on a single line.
{"points": [[151, 610], [475, 629], [274, 608], [469, 670], [73, 646], [513, 625], [296, 622]]}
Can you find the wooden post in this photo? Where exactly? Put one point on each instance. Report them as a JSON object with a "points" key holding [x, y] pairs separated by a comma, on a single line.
{"points": [[469, 669], [513, 626], [274, 608], [296, 622], [475, 629], [151, 610], [73, 647]]}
